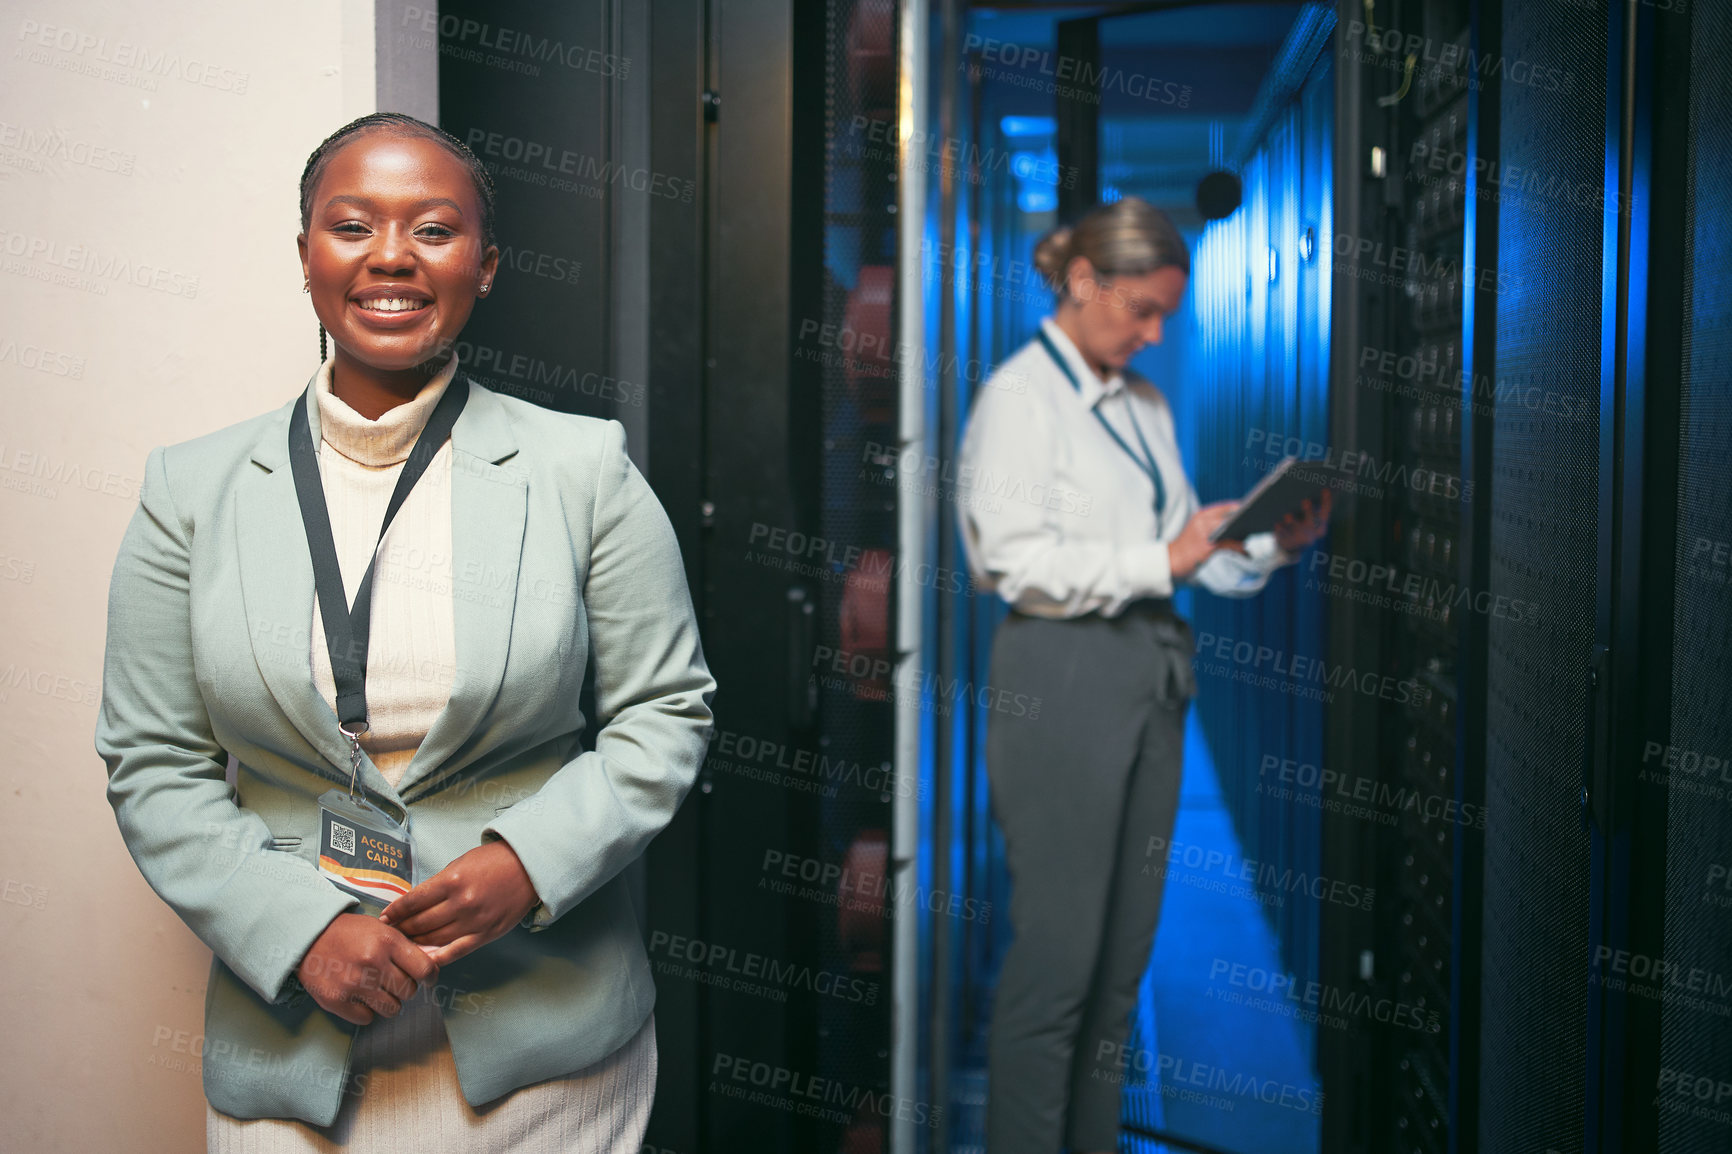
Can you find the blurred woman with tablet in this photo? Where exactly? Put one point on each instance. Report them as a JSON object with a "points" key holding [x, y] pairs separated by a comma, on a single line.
{"points": [[1098, 527]]}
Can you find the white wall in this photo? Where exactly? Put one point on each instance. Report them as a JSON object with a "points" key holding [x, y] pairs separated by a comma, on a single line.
{"points": [[149, 292]]}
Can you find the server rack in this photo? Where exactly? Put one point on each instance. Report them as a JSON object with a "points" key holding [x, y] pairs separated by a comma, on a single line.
{"points": [[1658, 787], [1545, 528], [1517, 368], [728, 266], [852, 381], [1426, 526], [1681, 752], [1405, 338]]}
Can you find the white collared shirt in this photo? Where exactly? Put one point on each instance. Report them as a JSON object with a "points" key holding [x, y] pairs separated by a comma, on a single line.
{"points": [[1056, 517]]}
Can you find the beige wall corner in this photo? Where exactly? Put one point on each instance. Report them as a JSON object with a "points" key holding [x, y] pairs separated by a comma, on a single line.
{"points": [[149, 292]]}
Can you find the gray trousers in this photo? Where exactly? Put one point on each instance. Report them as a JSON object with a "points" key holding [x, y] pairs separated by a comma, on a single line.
{"points": [[1078, 792]]}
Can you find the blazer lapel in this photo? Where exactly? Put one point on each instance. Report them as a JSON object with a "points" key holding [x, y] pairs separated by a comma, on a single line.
{"points": [[277, 590], [489, 504]]}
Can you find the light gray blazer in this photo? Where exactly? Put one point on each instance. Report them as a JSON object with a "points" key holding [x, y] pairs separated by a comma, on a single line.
{"points": [[561, 551]]}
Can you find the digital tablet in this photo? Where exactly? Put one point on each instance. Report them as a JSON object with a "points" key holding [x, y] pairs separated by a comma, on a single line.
{"points": [[1281, 492]]}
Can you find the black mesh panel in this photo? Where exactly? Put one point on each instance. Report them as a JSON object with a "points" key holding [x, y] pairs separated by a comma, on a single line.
{"points": [[1544, 533], [1696, 1034]]}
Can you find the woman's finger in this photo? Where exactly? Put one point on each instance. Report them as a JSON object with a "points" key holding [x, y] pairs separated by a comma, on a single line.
{"points": [[379, 1001], [351, 1010], [451, 951], [438, 935], [424, 896], [397, 984], [412, 959], [418, 925]]}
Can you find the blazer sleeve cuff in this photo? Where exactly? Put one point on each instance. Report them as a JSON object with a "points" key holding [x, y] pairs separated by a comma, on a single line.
{"points": [[274, 975], [539, 916]]}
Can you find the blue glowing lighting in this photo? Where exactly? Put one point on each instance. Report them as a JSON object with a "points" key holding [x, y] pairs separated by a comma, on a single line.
{"points": [[1036, 179], [1018, 127]]}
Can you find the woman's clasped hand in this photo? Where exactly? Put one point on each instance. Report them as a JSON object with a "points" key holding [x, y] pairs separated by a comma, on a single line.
{"points": [[362, 967]]}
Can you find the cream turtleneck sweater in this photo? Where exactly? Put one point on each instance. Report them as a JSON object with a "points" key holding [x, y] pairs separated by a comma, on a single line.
{"points": [[412, 650]]}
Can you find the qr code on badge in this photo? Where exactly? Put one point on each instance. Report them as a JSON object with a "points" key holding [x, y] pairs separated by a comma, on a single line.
{"points": [[342, 838]]}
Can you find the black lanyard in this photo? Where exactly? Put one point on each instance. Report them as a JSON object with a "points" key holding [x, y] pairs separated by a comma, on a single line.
{"points": [[1147, 461], [347, 630]]}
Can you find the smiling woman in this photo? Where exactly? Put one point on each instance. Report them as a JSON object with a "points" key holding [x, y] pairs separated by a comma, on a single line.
{"points": [[393, 260], [351, 563]]}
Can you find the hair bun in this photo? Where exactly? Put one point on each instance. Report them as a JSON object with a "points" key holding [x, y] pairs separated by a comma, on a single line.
{"points": [[1052, 256], [1125, 237]]}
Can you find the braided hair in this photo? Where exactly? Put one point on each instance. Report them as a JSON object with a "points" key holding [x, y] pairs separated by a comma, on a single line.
{"points": [[399, 124]]}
